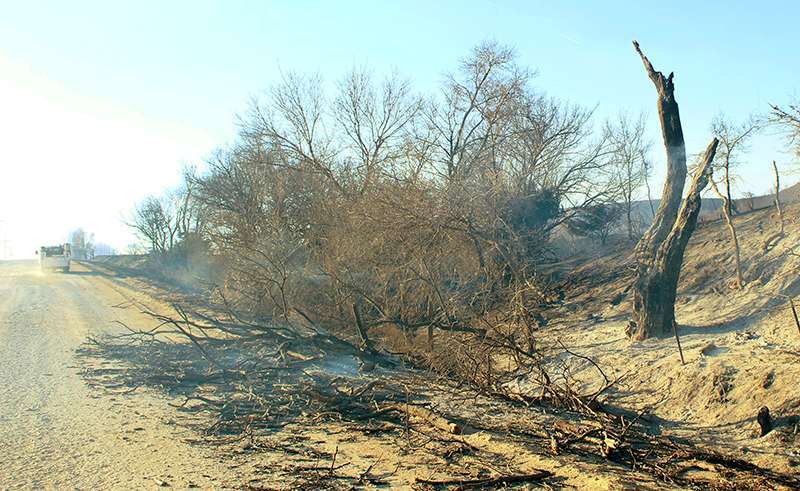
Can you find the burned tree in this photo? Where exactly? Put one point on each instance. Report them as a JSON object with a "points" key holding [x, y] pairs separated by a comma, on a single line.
{"points": [[629, 163], [659, 254]]}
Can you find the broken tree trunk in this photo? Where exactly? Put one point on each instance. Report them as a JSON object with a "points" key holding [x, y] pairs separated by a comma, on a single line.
{"points": [[778, 195], [657, 282], [672, 134], [659, 254], [726, 213]]}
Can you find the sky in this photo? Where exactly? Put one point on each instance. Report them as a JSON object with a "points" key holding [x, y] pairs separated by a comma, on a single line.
{"points": [[103, 103]]}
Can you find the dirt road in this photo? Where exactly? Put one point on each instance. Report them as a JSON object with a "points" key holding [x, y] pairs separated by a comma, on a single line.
{"points": [[55, 431]]}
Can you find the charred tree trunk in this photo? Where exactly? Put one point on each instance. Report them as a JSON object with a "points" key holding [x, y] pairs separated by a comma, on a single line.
{"points": [[657, 282], [659, 253], [672, 134]]}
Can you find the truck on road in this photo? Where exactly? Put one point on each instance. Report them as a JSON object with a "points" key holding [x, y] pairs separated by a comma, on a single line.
{"points": [[53, 258]]}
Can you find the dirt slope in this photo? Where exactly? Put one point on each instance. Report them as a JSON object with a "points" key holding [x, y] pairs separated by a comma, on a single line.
{"points": [[742, 347]]}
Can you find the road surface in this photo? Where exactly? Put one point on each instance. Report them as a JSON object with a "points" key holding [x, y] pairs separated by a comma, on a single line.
{"points": [[55, 431]]}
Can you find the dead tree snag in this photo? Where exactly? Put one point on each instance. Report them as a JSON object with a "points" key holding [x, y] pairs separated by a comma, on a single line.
{"points": [[659, 254]]}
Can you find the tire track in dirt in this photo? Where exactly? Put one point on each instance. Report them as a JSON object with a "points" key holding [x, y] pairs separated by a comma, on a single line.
{"points": [[55, 431]]}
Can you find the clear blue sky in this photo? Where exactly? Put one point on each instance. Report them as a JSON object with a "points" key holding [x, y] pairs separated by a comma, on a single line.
{"points": [[102, 102]]}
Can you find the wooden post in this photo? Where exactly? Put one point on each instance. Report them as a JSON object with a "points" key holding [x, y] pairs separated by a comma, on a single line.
{"points": [[429, 313], [678, 340], [794, 312], [778, 195]]}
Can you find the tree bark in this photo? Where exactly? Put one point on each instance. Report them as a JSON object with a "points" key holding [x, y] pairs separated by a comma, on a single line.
{"points": [[657, 282], [729, 201], [778, 196], [660, 252], [629, 219], [672, 134]]}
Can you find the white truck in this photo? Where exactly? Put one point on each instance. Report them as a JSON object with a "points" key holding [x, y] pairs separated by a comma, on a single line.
{"points": [[54, 257]]}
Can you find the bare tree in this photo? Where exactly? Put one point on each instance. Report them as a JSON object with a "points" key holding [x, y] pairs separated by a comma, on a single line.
{"points": [[189, 212], [787, 118], [164, 221], [660, 251], [630, 166], [467, 124], [733, 139], [553, 149], [153, 223], [292, 124], [374, 125]]}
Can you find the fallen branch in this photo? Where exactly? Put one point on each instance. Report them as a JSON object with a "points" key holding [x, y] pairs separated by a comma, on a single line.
{"points": [[537, 476]]}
